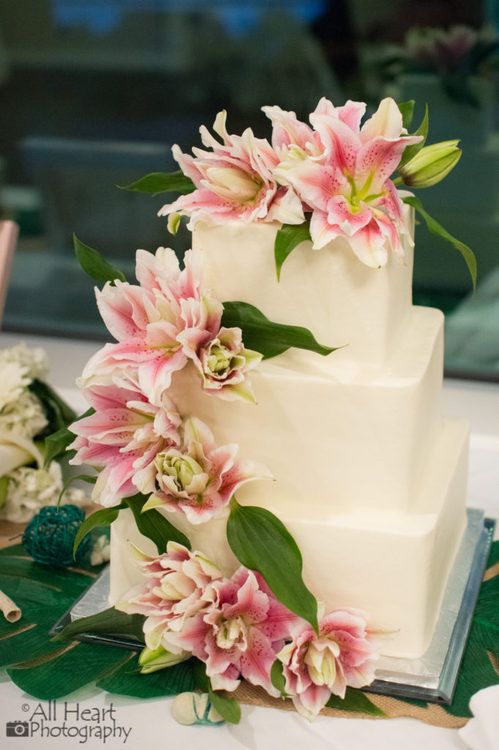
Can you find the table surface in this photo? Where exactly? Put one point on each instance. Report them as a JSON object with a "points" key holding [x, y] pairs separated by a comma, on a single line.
{"points": [[260, 729]]}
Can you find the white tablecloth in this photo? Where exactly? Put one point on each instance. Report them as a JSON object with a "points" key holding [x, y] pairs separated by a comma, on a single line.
{"points": [[149, 722]]}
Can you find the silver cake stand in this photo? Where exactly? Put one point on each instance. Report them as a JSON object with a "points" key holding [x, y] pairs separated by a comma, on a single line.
{"points": [[430, 678]]}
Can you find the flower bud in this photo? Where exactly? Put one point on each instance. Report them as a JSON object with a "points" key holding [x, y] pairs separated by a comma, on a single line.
{"points": [[152, 660], [431, 164]]}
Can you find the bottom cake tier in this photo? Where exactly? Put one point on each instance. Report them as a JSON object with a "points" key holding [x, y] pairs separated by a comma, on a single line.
{"points": [[392, 565]]}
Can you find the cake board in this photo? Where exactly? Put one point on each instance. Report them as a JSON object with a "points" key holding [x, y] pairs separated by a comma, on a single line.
{"points": [[430, 678]]}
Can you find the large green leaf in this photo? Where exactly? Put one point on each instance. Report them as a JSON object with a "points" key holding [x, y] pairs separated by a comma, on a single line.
{"points": [[261, 542], [479, 668], [154, 525], [267, 337], [435, 228], [66, 670], [287, 238], [94, 263], [108, 622], [127, 680], [161, 182]]}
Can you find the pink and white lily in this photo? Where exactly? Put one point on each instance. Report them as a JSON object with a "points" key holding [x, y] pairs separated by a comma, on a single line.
{"points": [[157, 324], [341, 172], [197, 477], [122, 439], [318, 665], [234, 181], [239, 633], [223, 364], [172, 591]]}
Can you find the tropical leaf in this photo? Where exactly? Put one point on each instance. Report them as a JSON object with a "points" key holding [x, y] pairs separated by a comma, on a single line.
{"points": [[267, 337], [108, 622], [94, 264], [127, 680], [435, 228], [261, 542], [479, 668], [161, 182], [70, 668], [287, 238], [154, 525]]}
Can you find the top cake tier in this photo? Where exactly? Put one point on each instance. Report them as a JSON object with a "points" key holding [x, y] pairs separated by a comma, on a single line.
{"points": [[341, 300]]}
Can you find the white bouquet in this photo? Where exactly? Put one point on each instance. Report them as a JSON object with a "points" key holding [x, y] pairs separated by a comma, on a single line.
{"points": [[29, 411]]}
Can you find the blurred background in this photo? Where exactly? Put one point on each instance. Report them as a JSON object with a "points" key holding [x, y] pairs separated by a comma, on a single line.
{"points": [[93, 93]]}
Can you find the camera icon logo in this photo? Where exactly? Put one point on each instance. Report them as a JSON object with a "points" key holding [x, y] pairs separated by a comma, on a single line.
{"points": [[17, 729]]}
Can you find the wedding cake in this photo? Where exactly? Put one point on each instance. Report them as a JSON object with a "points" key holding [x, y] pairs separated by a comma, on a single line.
{"points": [[369, 477], [287, 351]]}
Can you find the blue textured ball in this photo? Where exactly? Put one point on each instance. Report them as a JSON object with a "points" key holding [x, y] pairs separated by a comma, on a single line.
{"points": [[50, 535]]}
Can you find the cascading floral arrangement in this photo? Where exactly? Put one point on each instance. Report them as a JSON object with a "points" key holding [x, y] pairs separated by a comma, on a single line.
{"points": [[329, 179]]}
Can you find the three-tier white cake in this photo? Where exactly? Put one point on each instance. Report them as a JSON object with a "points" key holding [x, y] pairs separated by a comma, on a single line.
{"points": [[370, 479]]}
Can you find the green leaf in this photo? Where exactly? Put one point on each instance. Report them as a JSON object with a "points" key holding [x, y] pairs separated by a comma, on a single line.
{"points": [[228, 708], [161, 182], [66, 670], [277, 678], [110, 622], [57, 444], [407, 112], [59, 414], [411, 151], [355, 701], [102, 517], [261, 542], [201, 681], [287, 238], [480, 665], [94, 264], [4, 486], [154, 525], [435, 228], [267, 337], [127, 680]]}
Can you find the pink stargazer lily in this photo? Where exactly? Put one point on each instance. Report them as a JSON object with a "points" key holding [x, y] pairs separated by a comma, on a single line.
{"points": [[198, 478], [172, 590], [122, 438], [158, 325], [341, 172], [239, 633], [234, 181], [316, 666]]}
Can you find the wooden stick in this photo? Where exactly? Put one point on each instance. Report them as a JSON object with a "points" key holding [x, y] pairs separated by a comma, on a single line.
{"points": [[10, 610]]}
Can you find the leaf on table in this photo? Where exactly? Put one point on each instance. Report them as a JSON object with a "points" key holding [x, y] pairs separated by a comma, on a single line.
{"points": [[127, 680]]}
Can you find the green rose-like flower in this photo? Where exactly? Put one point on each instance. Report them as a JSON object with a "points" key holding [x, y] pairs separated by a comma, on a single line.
{"points": [[223, 364]]}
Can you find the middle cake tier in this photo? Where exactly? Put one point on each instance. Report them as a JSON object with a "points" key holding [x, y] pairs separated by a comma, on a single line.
{"points": [[332, 436]]}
